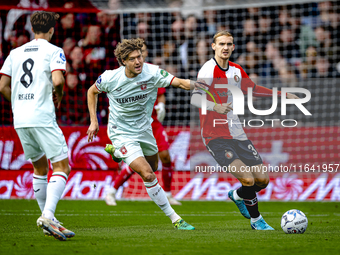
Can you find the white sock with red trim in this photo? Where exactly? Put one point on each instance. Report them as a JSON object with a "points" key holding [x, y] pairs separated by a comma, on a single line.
{"points": [[157, 194], [55, 189]]}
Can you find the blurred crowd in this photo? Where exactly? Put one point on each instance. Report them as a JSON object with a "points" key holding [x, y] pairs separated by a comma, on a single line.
{"points": [[288, 43]]}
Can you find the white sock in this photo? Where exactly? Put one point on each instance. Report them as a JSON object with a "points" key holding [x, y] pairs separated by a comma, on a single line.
{"points": [[236, 197], [174, 217], [168, 193], [255, 219], [55, 189], [157, 194], [39, 188], [112, 191]]}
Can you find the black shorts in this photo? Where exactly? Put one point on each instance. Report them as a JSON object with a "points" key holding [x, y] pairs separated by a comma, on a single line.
{"points": [[225, 151]]}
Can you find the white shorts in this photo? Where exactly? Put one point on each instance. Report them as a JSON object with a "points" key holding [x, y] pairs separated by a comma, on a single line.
{"points": [[130, 147], [37, 141]]}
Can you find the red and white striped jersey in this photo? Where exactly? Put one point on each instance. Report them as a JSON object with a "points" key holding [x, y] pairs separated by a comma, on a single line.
{"points": [[213, 74]]}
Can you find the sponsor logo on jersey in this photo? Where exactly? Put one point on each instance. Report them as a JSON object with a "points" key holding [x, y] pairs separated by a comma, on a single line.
{"points": [[119, 89], [131, 99], [164, 73], [236, 78], [123, 150], [99, 80], [31, 49], [229, 154], [62, 56], [143, 87]]}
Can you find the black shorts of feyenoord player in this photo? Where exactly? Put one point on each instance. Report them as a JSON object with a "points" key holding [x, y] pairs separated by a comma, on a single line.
{"points": [[225, 151]]}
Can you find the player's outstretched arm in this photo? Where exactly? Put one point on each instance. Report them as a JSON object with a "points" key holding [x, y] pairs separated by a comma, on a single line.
{"points": [[196, 100], [186, 84], [92, 99], [183, 83], [5, 88]]}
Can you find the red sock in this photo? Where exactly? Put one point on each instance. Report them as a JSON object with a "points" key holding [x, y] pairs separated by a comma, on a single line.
{"points": [[167, 176], [123, 176]]}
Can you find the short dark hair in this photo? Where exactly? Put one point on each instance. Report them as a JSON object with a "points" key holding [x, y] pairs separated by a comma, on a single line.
{"points": [[42, 21]]}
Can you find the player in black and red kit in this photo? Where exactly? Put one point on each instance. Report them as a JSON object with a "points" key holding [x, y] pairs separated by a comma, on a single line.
{"points": [[228, 143]]}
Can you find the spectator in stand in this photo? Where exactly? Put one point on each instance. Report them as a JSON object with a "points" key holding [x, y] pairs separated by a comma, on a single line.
{"points": [[283, 18], [74, 110], [273, 60], [250, 30], [67, 28], [19, 38], [143, 31], [93, 46], [325, 8], [68, 45], [20, 18], [94, 50], [190, 30], [253, 13], [178, 38], [158, 60], [287, 75], [310, 64], [265, 30], [169, 50], [210, 22], [202, 55], [323, 67], [110, 25], [288, 46], [76, 64], [327, 46]]}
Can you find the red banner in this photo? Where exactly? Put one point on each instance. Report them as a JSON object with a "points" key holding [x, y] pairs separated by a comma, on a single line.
{"points": [[303, 164], [295, 147], [89, 184]]}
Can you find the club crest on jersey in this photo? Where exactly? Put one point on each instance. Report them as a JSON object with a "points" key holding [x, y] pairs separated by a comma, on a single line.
{"points": [[236, 78], [123, 150], [62, 56], [143, 86], [164, 73], [229, 154]]}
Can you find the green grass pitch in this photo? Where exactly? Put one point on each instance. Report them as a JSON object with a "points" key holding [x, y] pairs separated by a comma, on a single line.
{"points": [[142, 228]]}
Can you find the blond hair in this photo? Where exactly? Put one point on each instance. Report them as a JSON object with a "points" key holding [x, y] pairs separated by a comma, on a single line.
{"points": [[127, 46], [222, 33]]}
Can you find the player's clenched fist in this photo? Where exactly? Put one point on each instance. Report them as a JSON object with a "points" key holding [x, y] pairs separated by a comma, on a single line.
{"points": [[92, 131], [223, 109]]}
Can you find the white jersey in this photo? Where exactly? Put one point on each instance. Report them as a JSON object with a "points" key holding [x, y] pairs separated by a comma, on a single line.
{"points": [[132, 99], [30, 68]]}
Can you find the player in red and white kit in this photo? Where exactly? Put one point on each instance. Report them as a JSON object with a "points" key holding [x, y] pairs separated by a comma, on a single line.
{"points": [[227, 142], [161, 137]]}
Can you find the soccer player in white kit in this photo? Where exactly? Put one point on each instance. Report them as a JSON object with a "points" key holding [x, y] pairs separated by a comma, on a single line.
{"points": [[32, 78], [132, 91]]}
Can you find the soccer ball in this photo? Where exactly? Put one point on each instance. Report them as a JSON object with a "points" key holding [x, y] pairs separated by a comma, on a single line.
{"points": [[294, 222]]}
